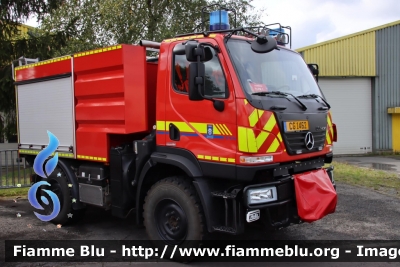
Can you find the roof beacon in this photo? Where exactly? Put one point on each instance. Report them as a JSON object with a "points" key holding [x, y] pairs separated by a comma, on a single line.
{"points": [[219, 20], [279, 35]]}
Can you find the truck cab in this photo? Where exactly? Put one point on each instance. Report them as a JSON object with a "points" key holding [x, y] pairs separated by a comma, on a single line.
{"points": [[221, 129]]}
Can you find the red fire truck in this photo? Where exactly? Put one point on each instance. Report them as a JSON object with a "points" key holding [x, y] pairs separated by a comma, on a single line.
{"points": [[220, 129]]}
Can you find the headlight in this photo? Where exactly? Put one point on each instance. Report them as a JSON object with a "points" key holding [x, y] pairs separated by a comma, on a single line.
{"points": [[262, 159], [262, 195]]}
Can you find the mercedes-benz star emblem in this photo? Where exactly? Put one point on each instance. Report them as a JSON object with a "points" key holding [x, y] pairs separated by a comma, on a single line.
{"points": [[309, 141]]}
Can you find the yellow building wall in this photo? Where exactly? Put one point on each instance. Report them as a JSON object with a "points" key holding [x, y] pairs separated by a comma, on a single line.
{"points": [[396, 132], [350, 56]]}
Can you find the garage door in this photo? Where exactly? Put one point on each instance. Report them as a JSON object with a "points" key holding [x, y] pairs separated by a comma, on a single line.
{"points": [[350, 99]]}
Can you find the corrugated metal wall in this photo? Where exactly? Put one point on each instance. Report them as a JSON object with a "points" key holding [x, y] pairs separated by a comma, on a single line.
{"points": [[347, 56], [387, 84]]}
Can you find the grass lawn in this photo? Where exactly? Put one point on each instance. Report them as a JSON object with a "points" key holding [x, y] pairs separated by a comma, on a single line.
{"points": [[10, 178], [14, 192], [382, 181]]}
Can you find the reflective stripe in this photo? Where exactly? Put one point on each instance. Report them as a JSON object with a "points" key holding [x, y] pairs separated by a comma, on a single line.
{"points": [[227, 129], [35, 152], [242, 139], [91, 158], [261, 139], [251, 141], [216, 158], [274, 146], [328, 138], [218, 129], [330, 125], [96, 51], [160, 125], [42, 63], [279, 136], [270, 123], [189, 37], [329, 130], [182, 126], [255, 116]]}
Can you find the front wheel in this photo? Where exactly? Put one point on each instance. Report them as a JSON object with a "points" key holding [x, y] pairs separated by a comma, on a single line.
{"points": [[173, 212]]}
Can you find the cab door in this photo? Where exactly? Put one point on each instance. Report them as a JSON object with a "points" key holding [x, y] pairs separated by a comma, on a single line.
{"points": [[196, 126]]}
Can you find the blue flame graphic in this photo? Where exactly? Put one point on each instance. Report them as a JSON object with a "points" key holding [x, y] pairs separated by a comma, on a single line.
{"points": [[44, 171], [44, 154], [33, 200]]}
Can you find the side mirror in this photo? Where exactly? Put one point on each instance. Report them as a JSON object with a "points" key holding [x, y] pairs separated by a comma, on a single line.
{"points": [[179, 49], [194, 49], [196, 81], [314, 68]]}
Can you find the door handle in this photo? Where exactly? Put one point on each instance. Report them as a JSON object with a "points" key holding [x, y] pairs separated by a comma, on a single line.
{"points": [[174, 133]]}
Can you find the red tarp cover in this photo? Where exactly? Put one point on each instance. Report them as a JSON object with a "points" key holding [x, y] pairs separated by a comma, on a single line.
{"points": [[315, 195]]}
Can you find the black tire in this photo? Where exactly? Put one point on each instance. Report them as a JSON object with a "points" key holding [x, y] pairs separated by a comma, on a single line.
{"points": [[59, 186], [173, 213]]}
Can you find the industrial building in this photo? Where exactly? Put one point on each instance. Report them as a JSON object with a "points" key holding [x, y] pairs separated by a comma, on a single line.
{"points": [[360, 77]]}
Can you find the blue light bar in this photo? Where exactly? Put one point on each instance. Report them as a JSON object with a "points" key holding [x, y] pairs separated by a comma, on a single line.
{"points": [[274, 32], [219, 20]]}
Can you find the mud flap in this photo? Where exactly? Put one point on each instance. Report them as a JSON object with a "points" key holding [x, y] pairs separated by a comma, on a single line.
{"points": [[315, 195]]}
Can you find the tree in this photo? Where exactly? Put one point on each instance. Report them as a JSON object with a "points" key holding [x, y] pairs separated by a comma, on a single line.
{"points": [[13, 46], [98, 23]]}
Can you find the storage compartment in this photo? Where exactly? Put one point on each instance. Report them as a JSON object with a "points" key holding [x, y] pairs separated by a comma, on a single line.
{"points": [[93, 174], [46, 106], [112, 97], [95, 195]]}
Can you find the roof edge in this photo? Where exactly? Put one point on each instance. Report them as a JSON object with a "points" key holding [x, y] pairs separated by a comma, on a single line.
{"points": [[301, 49]]}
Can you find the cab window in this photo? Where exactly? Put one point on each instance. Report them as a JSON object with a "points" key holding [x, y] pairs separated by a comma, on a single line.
{"points": [[215, 81]]}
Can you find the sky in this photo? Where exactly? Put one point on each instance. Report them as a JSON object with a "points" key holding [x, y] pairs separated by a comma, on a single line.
{"points": [[314, 21]]}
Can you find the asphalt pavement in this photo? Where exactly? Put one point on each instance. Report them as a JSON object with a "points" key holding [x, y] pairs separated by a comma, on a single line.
{"points": [[361, 214]]}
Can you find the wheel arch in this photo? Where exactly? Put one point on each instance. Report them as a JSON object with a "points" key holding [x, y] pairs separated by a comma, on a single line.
{"points": [[158, 167]]}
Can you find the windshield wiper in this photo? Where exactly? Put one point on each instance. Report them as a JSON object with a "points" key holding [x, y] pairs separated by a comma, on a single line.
{"points": [[282, 94], [317, 96]]}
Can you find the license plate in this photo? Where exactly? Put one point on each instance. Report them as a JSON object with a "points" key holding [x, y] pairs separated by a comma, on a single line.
{"points": [[253, 215], [293, 126]]}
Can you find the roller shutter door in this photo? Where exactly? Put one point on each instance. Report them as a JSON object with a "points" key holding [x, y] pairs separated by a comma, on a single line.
{"points": [[351, 103]]}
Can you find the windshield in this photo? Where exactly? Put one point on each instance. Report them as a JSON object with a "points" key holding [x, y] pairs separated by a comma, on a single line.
{"points": [[278, 70]]}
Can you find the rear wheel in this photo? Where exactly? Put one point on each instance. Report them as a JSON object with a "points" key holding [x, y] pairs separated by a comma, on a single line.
{"points": [[173, 213], [59, 186]]}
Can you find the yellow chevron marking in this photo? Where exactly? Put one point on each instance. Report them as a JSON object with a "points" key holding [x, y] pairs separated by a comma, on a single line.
{"points": [[280, 137], [328, 138], [274, 146], [219, 127], [227, 129], [330, 125], [242, 139], [261, 139], [270, 124]]}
